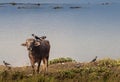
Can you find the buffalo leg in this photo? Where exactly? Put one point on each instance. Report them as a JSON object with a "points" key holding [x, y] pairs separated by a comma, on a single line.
{"points": [[47, 61], [38, 67], [33, 68], [45, 64]]}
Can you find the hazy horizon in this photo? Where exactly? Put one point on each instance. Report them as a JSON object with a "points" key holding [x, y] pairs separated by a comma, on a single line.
{"points": [[58, 1]]}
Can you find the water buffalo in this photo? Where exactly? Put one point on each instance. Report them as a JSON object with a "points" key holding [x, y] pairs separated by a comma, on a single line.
{"points": [[38, 51]]}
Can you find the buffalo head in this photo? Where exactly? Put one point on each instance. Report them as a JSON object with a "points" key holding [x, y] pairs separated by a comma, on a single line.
{"points": [[30, 43]]}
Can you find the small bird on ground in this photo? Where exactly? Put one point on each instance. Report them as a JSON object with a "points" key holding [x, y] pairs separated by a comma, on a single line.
{"points": [[94, 59], [6, 64]]}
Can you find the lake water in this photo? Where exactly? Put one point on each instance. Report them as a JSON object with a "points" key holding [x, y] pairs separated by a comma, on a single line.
{"points": [[80, 33]]}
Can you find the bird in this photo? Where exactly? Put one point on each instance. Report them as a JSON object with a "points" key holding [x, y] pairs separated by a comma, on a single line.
{"points": [[43, 37], [6, 64], [94, 59], [38, 38]]}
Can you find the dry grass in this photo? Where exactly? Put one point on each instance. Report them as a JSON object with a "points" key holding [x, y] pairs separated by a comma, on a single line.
{"points": [[106, 70]]}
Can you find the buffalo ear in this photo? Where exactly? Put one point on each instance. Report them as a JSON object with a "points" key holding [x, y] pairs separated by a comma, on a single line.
{"points": [[23, 44], [37, 43]]}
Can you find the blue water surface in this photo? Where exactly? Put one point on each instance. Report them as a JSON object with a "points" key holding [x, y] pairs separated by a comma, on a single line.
{"points": [[80, 33]]}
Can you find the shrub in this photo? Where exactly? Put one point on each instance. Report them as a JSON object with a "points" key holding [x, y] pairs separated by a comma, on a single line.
{"points": [[61, 60], [4, 75], [17, 75], [66, 74], [38, 78], [107, 62]]}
